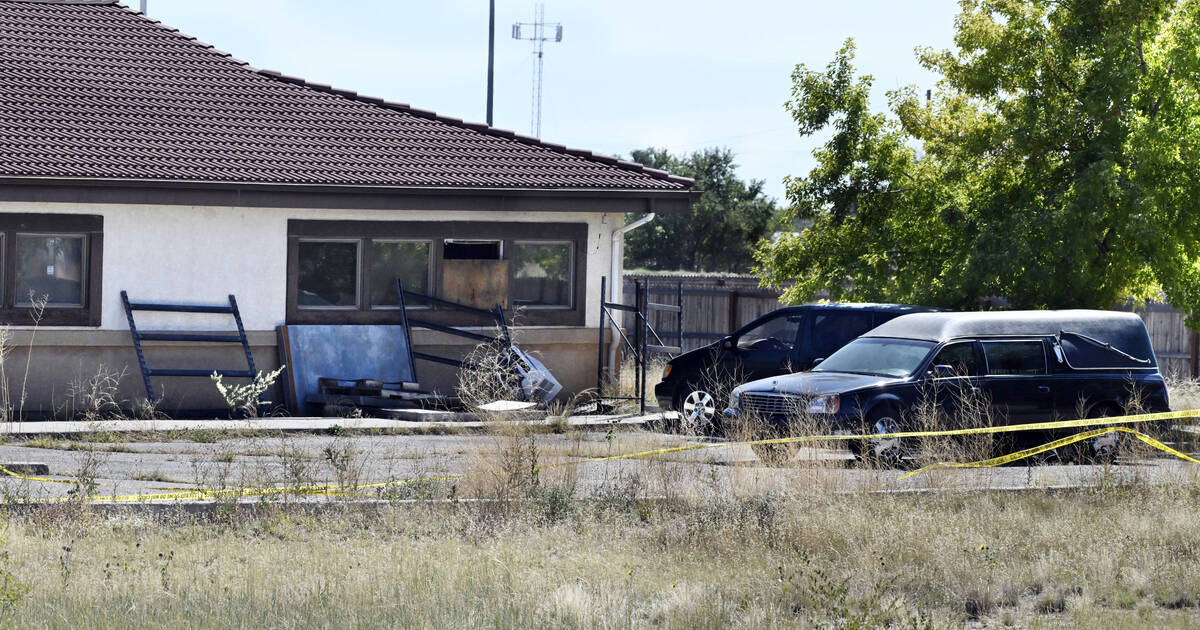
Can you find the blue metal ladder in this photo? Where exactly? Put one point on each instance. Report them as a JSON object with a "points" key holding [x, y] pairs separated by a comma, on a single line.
{"points": [[139, 337]]}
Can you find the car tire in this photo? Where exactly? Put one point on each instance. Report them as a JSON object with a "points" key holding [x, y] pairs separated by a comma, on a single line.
{"points": [[698, 413], [1099, 450], [1103, 449], [886, 453]]}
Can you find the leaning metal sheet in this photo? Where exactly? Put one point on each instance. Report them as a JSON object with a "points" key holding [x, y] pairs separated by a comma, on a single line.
{"points": [[346, 352]]}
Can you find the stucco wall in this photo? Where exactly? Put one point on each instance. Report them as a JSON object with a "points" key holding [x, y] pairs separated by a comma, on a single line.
{"points": [[202, 254]]}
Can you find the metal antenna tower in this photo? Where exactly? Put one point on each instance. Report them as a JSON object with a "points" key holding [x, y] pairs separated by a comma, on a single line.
{"points": [[522, 30]]}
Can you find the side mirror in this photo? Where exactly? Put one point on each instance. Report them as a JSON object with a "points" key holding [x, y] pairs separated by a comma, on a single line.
{"points": [[728, 343], [943, 371]]}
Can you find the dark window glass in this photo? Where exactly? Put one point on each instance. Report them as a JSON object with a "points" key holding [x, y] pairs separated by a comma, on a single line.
{"points": [[541, 274], [50, 267], [1015, 357], [834, 329], [328, 274], [961, 357], [878, 355], [407, 261], [456, 249], [776, 333]]}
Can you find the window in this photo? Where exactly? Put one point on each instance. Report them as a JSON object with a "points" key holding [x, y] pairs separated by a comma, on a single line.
{"points": [[53, 259], [541, 274], [462, 249], [834, 329], [50, 267], [343, 272], [778, 333], [392, 261], [1006, 358], [961, 357], [878, 356], [328, 274]]}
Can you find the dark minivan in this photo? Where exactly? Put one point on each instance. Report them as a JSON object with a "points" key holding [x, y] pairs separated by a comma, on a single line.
{"points": [[1028, 366], [786, 340]]}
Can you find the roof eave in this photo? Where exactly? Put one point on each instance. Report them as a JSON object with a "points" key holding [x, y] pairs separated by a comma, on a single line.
{"points": [[351, 188], [264, 194]]}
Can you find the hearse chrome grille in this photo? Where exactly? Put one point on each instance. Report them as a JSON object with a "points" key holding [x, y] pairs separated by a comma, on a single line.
{"points": [[771, 404]]}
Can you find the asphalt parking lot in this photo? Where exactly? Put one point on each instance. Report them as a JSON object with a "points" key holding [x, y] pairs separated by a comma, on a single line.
{"points": [[147, 466]]}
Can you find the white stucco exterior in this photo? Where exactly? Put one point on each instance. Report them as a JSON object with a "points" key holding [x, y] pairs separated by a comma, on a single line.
{"points": [[203, 253]]}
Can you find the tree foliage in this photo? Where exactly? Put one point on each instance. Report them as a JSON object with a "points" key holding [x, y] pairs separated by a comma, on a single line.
{"points": [[721, 230], [1057, 164]]}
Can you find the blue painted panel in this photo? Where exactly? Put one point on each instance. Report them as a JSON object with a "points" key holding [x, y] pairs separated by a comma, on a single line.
{"points": [[346, 352]]}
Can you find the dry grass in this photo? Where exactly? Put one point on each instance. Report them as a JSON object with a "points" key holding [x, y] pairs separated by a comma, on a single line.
{"points": [[1115, 557], [680, 541]]}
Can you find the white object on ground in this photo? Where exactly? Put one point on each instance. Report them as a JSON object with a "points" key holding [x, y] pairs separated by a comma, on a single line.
{"points": [[507, 405]]}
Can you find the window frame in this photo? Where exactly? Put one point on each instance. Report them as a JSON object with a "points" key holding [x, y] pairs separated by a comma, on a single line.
{"points": [[837, 314], [983, 346], [83, 264], [571, 262], [435, 233], [367, 259], [91, 229], [976, 349], [358, 275]]}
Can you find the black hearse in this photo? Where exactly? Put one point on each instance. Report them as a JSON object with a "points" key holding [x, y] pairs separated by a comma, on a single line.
{"points": [[1028, 366], [785, 340]]}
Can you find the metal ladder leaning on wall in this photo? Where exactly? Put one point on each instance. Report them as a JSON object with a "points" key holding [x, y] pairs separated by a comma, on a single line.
{"points": [[162, 307], [643, 331]]}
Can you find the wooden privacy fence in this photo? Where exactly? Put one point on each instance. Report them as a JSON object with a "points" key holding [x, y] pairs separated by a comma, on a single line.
{"points": [[1174, 344], [715, 305]]}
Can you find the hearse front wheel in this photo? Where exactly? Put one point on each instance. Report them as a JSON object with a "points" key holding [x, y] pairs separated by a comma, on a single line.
{"points": [[887, 452]]}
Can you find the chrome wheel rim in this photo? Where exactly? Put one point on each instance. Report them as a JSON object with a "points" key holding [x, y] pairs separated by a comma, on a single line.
{"points": [[699, 409], [1104, 447], [886, 448]]}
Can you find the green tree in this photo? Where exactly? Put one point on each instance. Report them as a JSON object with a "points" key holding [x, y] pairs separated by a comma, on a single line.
{"points": [[1057, 164], [722, 228]]}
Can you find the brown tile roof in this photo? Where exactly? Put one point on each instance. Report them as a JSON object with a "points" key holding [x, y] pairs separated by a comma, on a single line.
{"points": [[91, 89]]}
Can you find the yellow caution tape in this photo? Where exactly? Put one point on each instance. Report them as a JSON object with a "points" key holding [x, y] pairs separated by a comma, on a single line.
{"points": [[1011, 428], [18, 475], [334, 489], [1049, 446]]}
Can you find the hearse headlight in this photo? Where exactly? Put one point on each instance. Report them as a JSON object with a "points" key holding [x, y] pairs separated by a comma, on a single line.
{"points": [[825, 404], [735, 400]]}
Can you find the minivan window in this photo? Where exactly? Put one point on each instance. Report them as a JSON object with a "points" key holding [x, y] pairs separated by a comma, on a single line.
{"points": [[1005, 358], [777, 332], [834, 329], [878, 356], [960, 356]]}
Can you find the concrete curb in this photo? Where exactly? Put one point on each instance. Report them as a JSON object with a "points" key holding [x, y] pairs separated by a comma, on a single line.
{"points": [[303, 424]]}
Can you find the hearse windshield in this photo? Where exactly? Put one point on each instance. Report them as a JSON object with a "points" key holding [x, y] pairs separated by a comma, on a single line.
{"points": [[878, 356]]}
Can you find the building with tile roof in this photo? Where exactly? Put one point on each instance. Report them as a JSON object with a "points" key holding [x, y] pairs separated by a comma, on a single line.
{"points": [[135, 158]]}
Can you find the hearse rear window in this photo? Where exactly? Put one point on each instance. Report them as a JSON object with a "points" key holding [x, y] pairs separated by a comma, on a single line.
{"points": [[1085, 353], [1005, 358]]}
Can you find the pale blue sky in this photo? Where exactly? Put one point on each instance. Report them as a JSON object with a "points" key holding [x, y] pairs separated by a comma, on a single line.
{"points": [[628, 74]]}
